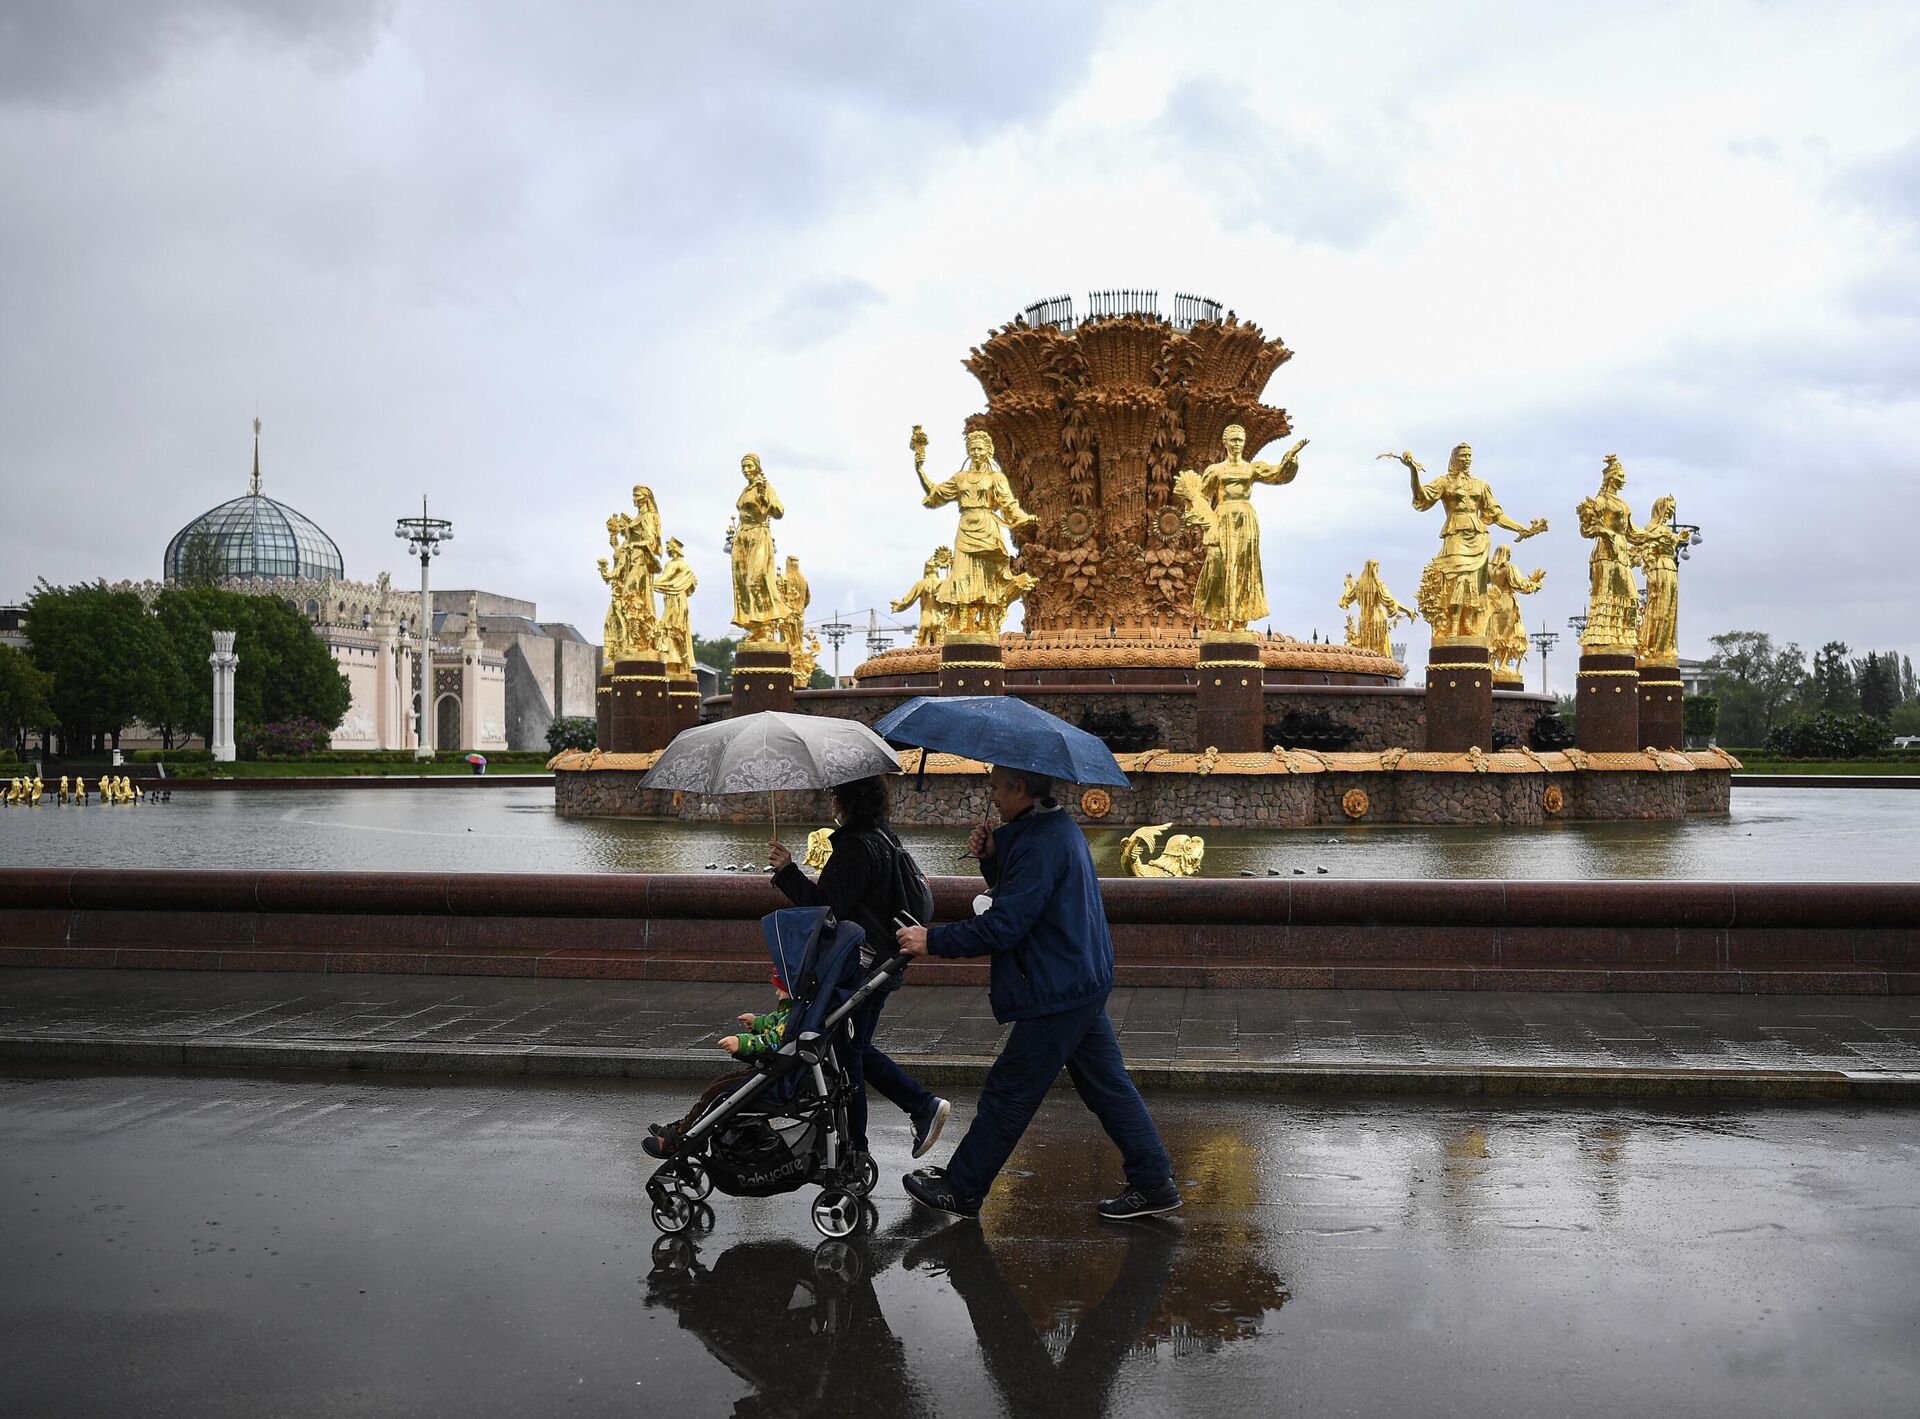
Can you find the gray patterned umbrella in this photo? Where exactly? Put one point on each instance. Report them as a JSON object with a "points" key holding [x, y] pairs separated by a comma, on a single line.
{"points": [[768, 751]]}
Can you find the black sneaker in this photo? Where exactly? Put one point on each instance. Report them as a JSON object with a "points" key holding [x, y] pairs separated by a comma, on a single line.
{"points": [[929, 1187], [1141, 1202], [926, 1131]]}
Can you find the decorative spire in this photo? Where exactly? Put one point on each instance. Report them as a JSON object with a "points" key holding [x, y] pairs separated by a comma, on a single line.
{"points": [[255, 489]]}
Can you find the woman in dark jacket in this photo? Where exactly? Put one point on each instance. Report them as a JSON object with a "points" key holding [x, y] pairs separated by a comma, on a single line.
{"points": [[858, 884]]}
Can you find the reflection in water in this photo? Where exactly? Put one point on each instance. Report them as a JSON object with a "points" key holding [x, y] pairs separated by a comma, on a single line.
{"points": [[1788, 834], [802, 1327], [1055, 1321]]}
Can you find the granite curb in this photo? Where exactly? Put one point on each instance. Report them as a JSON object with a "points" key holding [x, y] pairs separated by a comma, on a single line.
{"points": [[557, 1061]]}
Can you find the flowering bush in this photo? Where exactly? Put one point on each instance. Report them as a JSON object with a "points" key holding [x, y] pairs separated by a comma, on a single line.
{"points": [[287, 739]]}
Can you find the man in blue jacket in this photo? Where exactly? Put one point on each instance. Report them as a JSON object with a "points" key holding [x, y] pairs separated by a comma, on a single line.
{"points": [[1052, 970]]}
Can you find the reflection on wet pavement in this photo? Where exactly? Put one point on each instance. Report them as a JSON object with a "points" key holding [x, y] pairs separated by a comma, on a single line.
{"points": [[210, 1245], [1773, 834]]}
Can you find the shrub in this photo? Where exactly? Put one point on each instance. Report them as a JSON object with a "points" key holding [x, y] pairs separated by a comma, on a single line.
{"points": [[285, 739], [170, 756], [1830, 735], [1699, 716], [573, 732]]}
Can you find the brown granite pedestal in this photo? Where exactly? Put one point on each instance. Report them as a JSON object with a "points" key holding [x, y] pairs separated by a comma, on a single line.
{"points": [[762, 678], [602, 710], [1606, 715], [1662, 717], [1459, 699], [1229, 699], [972, 666], [683, 702], [638, 718]]}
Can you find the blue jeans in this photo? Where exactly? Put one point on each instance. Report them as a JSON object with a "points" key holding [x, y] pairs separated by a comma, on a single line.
{"points": [[1082, 1042], [867, 1065]]}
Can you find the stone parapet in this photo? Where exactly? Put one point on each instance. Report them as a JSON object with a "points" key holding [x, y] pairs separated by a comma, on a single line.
{"points": [[1814, 938]]}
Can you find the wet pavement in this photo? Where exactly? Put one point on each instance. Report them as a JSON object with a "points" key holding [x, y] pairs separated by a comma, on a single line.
{"points": [[321, 1245], [1786, 834], [669, 1024]]}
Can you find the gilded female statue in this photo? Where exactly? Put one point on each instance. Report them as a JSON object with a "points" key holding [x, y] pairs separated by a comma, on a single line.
{"points": [[612, 572], [1453, 589], [924, 594], [676, 584], [1230, 590], [1506, 627], [1377, 609], [757, 607], [976, 593], [1613, 601], [1659, 556]]}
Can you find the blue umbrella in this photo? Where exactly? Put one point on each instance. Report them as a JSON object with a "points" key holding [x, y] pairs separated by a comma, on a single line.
{"points": [[999, 729]]}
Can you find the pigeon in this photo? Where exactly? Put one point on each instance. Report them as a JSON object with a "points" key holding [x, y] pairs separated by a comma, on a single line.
{"points": [[1273, 872], [1299, 871], [1245, 873], [711, 867], [1321, 870]]}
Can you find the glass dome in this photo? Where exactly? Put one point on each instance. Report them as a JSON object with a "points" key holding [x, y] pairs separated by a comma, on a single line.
{"points": [[255, 536]]}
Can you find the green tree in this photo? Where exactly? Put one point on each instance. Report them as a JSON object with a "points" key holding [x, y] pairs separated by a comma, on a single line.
{"points": [[1699, 716], [573, 732], [1909, 685], [1755, 683], [200, 561], [719, 655], [108, 658], [1878, 679], [285, 672], [1833, 679], [26, 697]]}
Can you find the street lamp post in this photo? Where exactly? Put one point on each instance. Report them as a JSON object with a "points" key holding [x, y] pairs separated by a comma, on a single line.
{"points": [[1543, 641], [423, 536], [836, 631]]}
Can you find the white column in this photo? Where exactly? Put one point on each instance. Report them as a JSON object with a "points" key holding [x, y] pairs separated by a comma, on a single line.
{"points": [[224, 662]]}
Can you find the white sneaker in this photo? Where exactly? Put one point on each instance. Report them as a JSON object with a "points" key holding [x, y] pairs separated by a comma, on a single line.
{"points": [[926, 1133]]}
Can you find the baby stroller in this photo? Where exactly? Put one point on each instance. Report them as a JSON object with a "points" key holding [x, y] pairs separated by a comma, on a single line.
{"points": [[785, 1127]]}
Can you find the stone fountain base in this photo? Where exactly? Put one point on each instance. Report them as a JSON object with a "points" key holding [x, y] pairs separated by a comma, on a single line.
{"points": [[1283, 789]]}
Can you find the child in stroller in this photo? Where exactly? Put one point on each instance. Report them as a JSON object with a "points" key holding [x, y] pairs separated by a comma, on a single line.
{"points": [[785, 1124], [762, 1034]]}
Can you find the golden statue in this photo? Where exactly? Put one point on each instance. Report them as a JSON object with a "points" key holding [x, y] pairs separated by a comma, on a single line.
{"points": [[1453, 588], [79, 789], [757, 607], [1377, 609], [795, 596], [1613, 600], [63, 788], [1230, 590], [924, 593], [13, 790], [976, 594], [819, 848], [1182, 857], [39, 787], [632, 628], [1506, 627], [676, 584], [1658, 555], [806, 660]]}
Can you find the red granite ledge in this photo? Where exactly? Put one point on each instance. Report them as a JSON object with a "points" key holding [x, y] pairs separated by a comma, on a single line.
{"points": [[45, 926], [170, 958], [596, 967], [163, 927], [63, 956], [277, 959], [158, 889], [1602, 946], [1620, 903], [1826, 904], [1855, 982], [376, 963], [1675, 982], [1569, 978], [595, 894], [1903, 982], [43, 887], [367, 893], [491, 963]]}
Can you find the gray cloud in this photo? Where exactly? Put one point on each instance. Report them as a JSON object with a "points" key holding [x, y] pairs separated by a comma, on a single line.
{"points": [[1285, 182], [818, 311], [78, 52]]}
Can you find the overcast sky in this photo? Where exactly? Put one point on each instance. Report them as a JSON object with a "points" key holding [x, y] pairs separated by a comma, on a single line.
{"points": [[517, 257]]}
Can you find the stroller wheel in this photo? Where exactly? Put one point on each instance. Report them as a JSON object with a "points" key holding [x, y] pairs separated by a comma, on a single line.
{"points": [[672, 1253], [839, 1261], [691, 1177], [866, 1177], [703, 1218], [836, 1213], [672, 1213]]}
